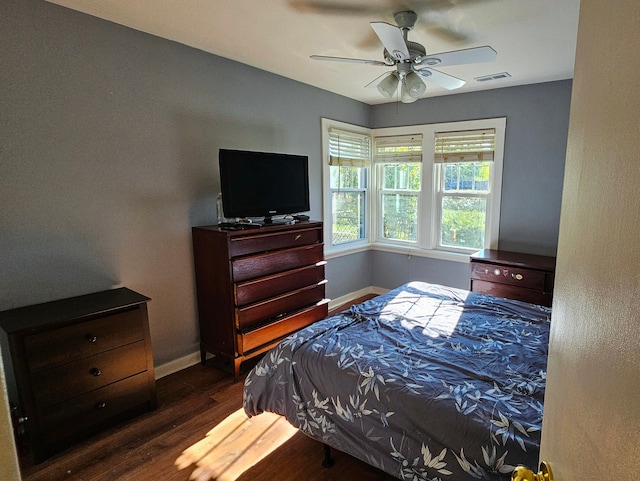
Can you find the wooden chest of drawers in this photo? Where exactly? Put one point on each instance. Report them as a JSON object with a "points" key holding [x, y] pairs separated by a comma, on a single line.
{"points": [[523, 277], [80, 364], [256, 286]]}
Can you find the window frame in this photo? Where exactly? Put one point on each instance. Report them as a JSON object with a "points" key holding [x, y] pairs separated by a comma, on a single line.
{"points": [[379, 190], [490, 234], [379, 200], [427, 241], [356, 245]]}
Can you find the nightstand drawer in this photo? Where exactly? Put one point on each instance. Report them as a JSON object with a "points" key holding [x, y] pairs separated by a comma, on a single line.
{"points": [[65, 382], [515, 276], [263, 265], [67, 344], [94, 408], [240, 246], [512, 292]]}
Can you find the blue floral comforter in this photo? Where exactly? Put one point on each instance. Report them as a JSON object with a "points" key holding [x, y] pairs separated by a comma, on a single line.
{"points": [[424, 382]]}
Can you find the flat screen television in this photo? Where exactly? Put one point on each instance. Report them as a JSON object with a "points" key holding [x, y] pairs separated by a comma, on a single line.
{"points": [[263, 184]]}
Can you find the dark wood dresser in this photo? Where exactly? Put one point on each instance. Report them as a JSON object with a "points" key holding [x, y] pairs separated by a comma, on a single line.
{"points": [[523, 277], [81, 364], [256, 286]]}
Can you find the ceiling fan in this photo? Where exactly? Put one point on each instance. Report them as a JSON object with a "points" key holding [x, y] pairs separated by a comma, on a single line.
{"points": [[412, 64]]}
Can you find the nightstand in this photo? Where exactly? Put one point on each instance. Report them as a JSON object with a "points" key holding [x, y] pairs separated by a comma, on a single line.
{"points": [[81, 364], [523, 277]]}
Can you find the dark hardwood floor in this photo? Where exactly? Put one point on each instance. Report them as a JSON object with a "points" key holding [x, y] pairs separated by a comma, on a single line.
{"points": [[190, 403]]}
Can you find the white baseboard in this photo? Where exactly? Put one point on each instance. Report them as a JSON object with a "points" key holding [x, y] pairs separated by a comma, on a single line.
{"points": [[333, 303], [176, 365], [192, 359]]}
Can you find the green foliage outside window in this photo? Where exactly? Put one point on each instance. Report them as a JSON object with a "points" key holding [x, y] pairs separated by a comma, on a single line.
{"points": [[348, 203], [464, 217], [348, 212], [463, 222], [403, 176], [344, 177], [400, 209], [400, 217], [467, 176]]}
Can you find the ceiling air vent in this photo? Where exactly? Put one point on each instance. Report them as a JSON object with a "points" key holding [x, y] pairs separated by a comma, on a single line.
{"points": [[493, 76]]}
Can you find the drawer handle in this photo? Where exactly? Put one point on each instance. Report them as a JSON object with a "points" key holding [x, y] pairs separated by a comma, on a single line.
{"points": [[517, 277], [101, 405], [95, 371], [91, 338], [299, 236], [497, 272]]}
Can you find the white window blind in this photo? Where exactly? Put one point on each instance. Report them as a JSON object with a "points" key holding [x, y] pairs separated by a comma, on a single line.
{"points": [[349, 149], [465, 146], [396, 149]]}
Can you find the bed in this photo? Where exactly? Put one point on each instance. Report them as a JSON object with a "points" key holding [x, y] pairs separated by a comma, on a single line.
{"points": [[425, 382]]}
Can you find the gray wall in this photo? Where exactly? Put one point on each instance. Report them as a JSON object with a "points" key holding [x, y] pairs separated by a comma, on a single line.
{"points": [[350, 273], [536, 140], [391, 270], [535, 146], [109, 145]]}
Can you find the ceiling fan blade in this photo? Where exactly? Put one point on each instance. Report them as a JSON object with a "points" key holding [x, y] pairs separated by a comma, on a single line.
{"points": [[351, 60], [359, 8], [444, 80], [392, 39], [334, 8], [460, 57]]}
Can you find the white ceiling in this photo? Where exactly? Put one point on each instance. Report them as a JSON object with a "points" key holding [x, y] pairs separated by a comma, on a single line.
{"points": [[535, 39]]}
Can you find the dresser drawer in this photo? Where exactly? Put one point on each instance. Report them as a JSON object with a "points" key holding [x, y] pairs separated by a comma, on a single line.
{"points": [[258, 313], [65, 382], [67, 344], [273, 332], [94, 408], [515, 276], [240, 246], [259, 289], [256, 266]]}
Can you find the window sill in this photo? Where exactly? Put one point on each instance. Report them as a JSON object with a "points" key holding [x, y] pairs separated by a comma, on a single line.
{"points": [[410, 251], [431, 253], [344, 251]]}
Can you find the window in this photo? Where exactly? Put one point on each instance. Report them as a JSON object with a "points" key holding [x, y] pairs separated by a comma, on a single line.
{"points": [[399, 172], [463, 164], [431, 190], [349, 154]]}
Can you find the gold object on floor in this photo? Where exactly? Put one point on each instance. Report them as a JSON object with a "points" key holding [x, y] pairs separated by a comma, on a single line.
{"points": [[522, 473]]}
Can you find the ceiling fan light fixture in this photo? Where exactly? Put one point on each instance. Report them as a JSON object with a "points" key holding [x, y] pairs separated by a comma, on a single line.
{"points": [[388, 86], [405, 97], [415, 87]]}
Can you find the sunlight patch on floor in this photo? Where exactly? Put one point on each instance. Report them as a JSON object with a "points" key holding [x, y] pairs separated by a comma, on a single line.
{"points": [[235, 445]]}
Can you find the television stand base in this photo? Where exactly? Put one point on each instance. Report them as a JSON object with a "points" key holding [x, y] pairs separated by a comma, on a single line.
{"points": [[273, 222], [238, 226], [267, 221]]}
